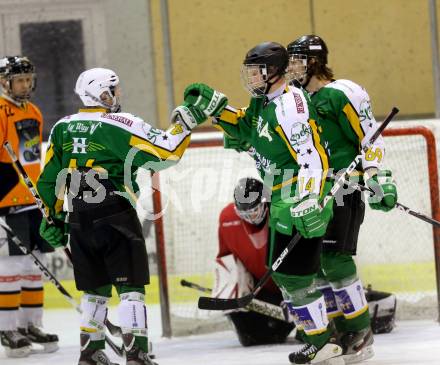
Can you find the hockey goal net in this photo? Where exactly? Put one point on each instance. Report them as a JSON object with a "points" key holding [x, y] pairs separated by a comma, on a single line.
{"points": [[396, 252]]}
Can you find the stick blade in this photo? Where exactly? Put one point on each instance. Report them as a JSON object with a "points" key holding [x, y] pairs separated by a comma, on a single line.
{"points": [[219, 304]]}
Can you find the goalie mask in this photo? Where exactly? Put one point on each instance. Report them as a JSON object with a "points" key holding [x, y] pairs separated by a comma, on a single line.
{"points": [[263, 66], [250, 198], [18, 78], [99, 87], [382, 308], [301, 51]]}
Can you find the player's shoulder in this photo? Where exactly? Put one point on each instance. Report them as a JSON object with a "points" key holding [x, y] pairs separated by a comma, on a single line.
{"points": [[348, 88], [228, 216], [292, 105]]}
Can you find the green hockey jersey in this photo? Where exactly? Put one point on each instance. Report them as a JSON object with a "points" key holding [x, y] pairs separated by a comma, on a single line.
{"points": [[346, 120], [282, 130], [114, 144]]}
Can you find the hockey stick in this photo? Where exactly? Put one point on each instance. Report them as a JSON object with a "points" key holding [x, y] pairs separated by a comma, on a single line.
{"points": [[399, 206], [113, 329], [256, 305], [224, 304], [118, 350]]}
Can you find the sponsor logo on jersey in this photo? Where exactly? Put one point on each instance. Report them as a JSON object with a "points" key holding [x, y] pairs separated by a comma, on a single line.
{"points": [[263, 130], [230, 224], [299, 103], [365, 112], [300, 134], [262, 162], [118, 118], [80, 127]]}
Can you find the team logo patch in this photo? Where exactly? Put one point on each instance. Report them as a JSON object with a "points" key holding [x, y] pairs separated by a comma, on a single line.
{"points": [[301, 134], [177, 129]]}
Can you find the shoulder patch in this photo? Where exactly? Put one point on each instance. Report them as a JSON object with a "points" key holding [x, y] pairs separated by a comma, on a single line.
{"points": [[118, 118]]}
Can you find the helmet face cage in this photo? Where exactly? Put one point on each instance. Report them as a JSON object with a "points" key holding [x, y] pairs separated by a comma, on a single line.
{"points": [[254, 78], [12, 68], [297, 68], [254, 215]]}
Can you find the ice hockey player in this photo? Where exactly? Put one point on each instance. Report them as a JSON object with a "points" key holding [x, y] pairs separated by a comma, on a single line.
{"points": [[280, 124], [21, 285], [241, 261], [100, 149], [345, 122]]}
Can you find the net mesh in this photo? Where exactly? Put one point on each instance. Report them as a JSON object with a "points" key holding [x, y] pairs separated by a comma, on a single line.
{"points": [[395, 250]]}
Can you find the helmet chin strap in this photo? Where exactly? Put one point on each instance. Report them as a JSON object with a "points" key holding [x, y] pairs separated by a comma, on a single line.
{"points": [[270, 84]]}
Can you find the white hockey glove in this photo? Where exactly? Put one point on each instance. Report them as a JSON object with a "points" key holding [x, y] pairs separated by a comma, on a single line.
{"points": [[190, 115]]}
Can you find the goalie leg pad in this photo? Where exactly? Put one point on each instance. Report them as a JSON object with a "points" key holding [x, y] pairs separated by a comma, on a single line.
{"points": [[94, 313]]}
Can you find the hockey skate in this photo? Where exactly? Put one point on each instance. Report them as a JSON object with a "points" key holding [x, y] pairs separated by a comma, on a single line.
{"points": [[49, 342], [15, 344], [92, 356], [135, 356], [329, 354], [358, 346]]}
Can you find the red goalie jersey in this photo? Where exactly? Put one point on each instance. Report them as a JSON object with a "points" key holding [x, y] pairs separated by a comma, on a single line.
{"points": [[245, 241]]}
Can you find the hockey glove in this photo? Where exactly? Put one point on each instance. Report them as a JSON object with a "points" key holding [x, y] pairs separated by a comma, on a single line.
{"points": [[309, 218], [55, 234], [190, 115], [211, 102], [234, 143], [385, 191]]}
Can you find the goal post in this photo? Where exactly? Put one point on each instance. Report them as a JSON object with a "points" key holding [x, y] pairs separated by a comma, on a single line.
{"points": [[396, 252]]}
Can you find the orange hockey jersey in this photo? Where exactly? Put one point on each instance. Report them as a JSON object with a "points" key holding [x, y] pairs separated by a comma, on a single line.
{"points": [[22, 127]]}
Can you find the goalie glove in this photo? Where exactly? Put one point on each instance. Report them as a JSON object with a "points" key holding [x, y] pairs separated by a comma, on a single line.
{"points": [[385, 191], [190, 115], [211, 102], [232, 280]]}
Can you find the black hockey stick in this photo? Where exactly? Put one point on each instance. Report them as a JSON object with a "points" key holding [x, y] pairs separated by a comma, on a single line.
{"points": [[224, 304], [256, 305], [399, 206], [113, 329], [118, 350]]}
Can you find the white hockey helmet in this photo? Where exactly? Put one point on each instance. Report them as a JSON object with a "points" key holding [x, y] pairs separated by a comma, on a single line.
{"points": [[92, 83]]}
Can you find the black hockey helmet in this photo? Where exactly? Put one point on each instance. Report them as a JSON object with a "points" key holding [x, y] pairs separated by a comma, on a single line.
{"points": [[11, 66], [250, 199], [261, 64], [310, 45]]}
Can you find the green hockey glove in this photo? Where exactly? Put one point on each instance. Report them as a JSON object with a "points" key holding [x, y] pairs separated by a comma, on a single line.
{"points": [[385, 191], [55, 234], [234, 143], [190, 115], [209, 101], [309, 218]]}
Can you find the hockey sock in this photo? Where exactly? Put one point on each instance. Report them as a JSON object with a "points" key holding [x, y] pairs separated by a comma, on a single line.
{"points": [[94, 313], [32, 293], [340, 270], [308, 306], [132, 315], [9, 292]]}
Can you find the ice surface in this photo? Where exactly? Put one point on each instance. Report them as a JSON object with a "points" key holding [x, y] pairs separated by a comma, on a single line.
{"points": [[410, 343]]}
